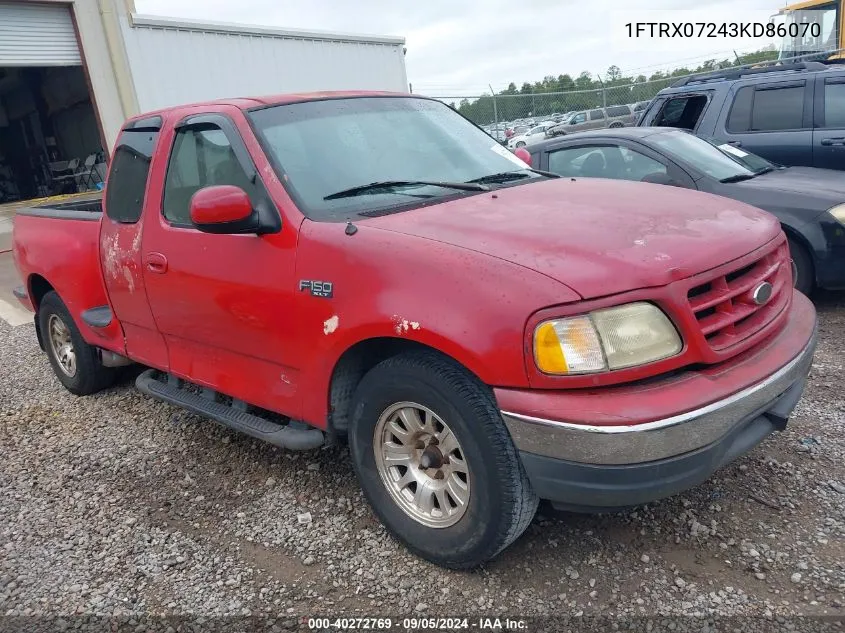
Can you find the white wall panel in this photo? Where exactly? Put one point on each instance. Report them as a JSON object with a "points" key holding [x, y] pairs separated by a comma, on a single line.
{"points": [[175, 62]]}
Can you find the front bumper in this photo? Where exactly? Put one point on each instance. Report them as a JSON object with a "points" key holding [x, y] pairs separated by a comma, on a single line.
{"points": [[591, 466]]}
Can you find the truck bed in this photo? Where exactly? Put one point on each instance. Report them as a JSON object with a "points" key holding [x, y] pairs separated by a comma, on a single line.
{"points": [[88, 208], [61, 255]]}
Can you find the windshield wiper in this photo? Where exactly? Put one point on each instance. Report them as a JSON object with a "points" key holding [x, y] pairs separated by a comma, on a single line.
{"points": [[507, 176], [737, 178], [388, 186], [764, 170], [547, 174]]}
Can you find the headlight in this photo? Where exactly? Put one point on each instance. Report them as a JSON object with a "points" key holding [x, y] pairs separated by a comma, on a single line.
{"points": [[615, 338], [838, 212]]}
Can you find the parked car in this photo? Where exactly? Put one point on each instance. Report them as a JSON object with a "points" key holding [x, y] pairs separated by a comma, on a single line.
{"points": [[612, 116], [519, 130], [791, 114], [639, 109], [497, 133], [533, 135], [505, 347], [809, 202]]}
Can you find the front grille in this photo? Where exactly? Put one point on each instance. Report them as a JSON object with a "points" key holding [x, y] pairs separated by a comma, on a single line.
{"points": [[724, 307]]}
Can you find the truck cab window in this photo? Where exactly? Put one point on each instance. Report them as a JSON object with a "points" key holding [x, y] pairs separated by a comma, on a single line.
{"points": [[128, 178], [201, 157]]}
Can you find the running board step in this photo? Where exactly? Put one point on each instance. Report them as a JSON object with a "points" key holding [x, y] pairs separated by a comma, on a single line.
{"points": [[294, 436]]}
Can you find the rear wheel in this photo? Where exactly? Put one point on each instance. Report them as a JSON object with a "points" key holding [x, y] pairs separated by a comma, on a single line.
{"points": [[802, 267], [75, 363], [436, 462]]}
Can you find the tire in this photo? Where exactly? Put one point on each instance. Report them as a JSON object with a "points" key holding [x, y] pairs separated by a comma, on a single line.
{"points": [[520, 144], [88, 375], [802, 267], [499, 501]]}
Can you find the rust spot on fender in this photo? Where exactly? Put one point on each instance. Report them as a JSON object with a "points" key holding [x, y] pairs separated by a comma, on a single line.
{"points": [[401, 325], [330, 325]]}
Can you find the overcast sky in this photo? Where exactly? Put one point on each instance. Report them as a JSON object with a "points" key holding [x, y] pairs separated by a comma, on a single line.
{"points": [[458, 47]]}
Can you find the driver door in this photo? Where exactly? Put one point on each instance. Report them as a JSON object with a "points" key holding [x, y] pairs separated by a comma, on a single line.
{"points": [[222, 302]]}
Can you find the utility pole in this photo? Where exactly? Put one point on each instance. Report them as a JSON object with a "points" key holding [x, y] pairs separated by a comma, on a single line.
{"points": [[603, 92], [495, 109]]}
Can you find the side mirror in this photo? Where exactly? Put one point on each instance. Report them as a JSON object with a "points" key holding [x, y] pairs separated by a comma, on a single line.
{"points": [[223, 209], [524, 155]]}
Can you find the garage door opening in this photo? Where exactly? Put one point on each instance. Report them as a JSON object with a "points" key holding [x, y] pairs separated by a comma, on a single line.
{"points": [[50, 141], [49, 138]]}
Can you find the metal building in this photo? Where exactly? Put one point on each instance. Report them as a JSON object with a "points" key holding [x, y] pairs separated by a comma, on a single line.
{"points": [[71, 71]]}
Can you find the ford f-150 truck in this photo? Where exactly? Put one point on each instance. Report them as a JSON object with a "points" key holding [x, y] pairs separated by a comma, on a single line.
{"points": [[314, 268]]}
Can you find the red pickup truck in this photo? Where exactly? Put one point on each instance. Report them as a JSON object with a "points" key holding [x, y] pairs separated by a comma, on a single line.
{"points": [[373, 267]]}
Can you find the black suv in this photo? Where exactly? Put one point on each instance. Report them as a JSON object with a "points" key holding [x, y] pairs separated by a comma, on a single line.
{"points": [[792, 114]]}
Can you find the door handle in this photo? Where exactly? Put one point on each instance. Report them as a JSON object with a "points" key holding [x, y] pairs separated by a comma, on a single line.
{"points": [[735, 143], [827, 142], [156, 263]]}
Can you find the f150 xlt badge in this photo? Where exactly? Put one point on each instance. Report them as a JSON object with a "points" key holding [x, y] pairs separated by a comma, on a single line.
{"points": [[317, 288]]}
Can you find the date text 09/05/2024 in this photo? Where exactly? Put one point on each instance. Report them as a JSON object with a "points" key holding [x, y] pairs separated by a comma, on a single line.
{"points": [[721, 30], [416, 624]]}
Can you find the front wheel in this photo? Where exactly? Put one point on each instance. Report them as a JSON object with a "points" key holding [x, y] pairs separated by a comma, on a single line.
{"points": [[436, 462], [74, 361]]}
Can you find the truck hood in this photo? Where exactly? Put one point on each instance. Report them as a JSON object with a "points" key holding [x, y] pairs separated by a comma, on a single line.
{"points": [[598, 237]]}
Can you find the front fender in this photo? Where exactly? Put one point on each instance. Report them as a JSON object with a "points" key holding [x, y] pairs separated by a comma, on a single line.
{"points": [[470, 306]]}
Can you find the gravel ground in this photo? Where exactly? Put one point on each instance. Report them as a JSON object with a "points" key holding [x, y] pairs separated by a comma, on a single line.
{"points": [[118, 505]]}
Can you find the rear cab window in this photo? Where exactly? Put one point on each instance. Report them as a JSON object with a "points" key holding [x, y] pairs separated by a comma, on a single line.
{"points": [[130, 168]]}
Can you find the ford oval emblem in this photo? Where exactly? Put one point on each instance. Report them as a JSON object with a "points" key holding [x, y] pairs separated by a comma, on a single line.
{"points": [[762, 293]]}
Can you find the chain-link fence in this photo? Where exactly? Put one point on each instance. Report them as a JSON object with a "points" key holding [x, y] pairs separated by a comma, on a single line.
{"points": [[501, 110]]}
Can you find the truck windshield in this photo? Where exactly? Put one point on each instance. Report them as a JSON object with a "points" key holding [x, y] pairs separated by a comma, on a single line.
{"points": [[319, 148], [718, 160]]}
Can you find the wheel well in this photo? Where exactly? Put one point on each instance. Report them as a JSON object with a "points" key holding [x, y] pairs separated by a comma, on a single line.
{"points": [[38, 287], [799, 239], [350, 369]]}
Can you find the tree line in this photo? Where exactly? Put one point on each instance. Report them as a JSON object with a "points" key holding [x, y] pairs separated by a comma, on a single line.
{"points": [[565, 93]]}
